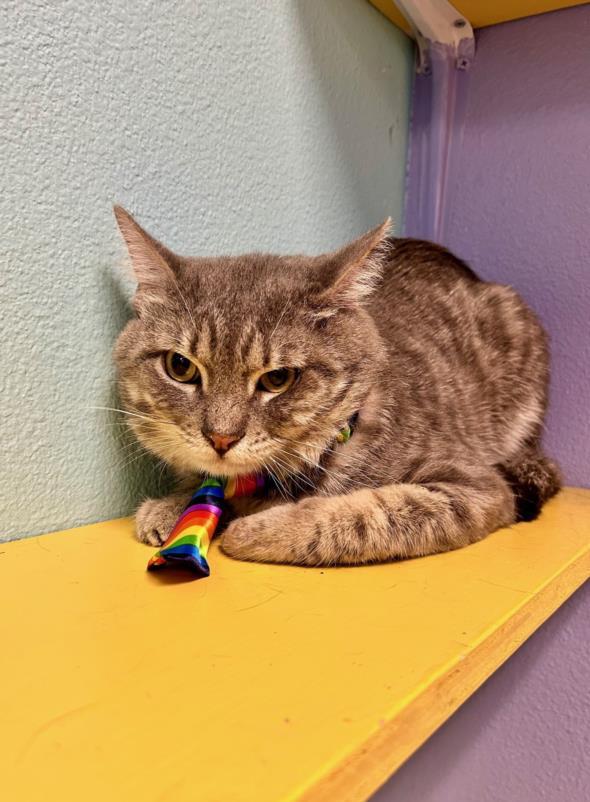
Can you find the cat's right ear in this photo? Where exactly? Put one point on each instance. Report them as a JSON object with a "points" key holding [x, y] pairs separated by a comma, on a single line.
{"points": [[153, 263]]}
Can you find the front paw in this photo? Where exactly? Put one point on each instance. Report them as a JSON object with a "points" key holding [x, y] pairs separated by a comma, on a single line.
{"points": [[263, 537], [155, 518], [287, 533]]}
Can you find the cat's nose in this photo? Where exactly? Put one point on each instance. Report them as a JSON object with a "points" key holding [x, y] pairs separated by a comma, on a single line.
{"points": [[222, 442]]}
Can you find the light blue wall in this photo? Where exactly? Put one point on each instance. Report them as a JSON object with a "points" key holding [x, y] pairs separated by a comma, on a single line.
{"points": [[225, 126]]}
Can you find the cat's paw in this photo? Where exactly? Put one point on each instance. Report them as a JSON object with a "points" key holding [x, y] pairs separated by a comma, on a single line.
{"points": [[155, 518], [252, 538], [277, 535]]}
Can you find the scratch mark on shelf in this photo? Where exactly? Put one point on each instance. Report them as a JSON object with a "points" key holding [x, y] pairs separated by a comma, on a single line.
{"points": [[260, 603], [47, 725], [504, 587]]}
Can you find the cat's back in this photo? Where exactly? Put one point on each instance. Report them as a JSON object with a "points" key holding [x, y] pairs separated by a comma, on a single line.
{"points": [[416, 260], [418, 274], [452, 336], [428, 293]]}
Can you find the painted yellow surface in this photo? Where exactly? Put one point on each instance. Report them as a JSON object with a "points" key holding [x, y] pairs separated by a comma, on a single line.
{"points": [[484, 12], [262, 683]]}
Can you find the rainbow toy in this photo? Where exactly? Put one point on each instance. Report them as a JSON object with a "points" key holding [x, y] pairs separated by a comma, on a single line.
{"points": [[188, 543]]}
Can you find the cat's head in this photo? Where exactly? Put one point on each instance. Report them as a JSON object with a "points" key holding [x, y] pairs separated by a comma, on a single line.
{"points": [[239, 364]]}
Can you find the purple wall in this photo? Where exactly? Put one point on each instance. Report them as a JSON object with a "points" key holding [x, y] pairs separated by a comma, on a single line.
{"points": [[518, 208], [518, 195]]}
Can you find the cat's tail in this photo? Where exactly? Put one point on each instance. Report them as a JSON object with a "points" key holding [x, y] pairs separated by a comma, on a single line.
{"points": [[534, 479]]}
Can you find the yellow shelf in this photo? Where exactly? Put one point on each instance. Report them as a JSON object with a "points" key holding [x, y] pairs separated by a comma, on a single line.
{"points": [[488, 12], [262, 683]]}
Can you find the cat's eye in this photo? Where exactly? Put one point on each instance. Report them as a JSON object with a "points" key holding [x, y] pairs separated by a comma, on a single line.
{"points": [[181, 368], [277, 381]]}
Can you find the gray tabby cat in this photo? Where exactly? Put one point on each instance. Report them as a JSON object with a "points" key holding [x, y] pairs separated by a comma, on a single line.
{"points": [[255, 363]]}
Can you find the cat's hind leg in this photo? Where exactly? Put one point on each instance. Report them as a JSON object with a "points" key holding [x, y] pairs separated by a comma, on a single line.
{"points": [[534, 479], [444, 507]]}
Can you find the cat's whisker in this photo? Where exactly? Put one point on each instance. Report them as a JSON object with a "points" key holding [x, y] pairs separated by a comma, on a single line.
{"points": [[183, 299], [122, 465], [336, 479], [133, 454], [279, 484], [321, 448], [132, 414], [295, 478], [281, 316], [341, 480], [312, 463], [161, 473]]}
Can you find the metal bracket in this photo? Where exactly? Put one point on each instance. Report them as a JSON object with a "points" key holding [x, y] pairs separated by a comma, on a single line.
{"points": [[446, 47], [437, 21]]}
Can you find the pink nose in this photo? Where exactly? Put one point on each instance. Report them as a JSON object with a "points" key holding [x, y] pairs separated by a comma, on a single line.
{"points": [[222, 442]]}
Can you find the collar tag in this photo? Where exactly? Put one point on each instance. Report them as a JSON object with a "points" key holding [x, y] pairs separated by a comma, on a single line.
{"points": [[344, 434], [347, 431]]}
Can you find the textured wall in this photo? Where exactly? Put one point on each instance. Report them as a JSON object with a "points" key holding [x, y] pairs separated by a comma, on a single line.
{"points": [[519, 197], [523, 737], [517, 208], [226, 126]]}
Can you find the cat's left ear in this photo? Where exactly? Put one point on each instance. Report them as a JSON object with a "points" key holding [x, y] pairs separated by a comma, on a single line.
{"points": [[351, 274], [153, 264]]}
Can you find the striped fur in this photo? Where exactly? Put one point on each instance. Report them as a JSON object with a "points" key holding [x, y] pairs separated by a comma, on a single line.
{"points": [[448, 374]]}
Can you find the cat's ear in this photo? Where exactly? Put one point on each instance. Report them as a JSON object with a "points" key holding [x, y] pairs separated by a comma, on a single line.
{"points": [[153, 263], [350, 275]]}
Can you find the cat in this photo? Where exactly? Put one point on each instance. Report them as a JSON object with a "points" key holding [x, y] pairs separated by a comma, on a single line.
{"points": [[255, 363]]}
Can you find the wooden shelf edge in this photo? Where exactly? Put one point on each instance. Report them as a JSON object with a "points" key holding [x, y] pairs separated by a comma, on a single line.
{"points": [[358, 775]]}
